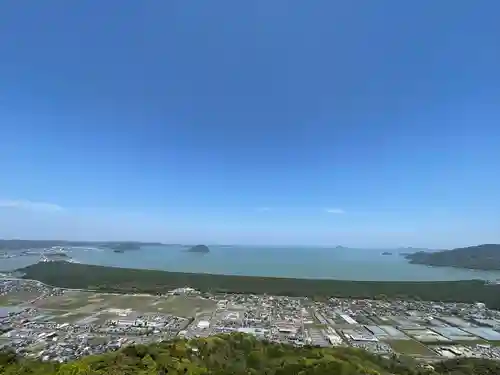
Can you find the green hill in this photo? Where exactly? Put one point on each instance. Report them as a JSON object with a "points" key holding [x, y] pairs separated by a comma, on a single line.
{"points": [[481, 257], [237, 354]]}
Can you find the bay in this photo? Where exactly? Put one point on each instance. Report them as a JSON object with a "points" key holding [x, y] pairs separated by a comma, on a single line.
{"points": [[297, 262]]}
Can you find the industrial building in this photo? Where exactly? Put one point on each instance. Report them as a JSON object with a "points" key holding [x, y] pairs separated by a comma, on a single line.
{"points": [[454, 321], [203, 324], [332, 336], [348, 319], [358, 334], [378, 332], [454, 333], [492, 323], [394, 333], [287, 328], [404, 323], [426, 335], [484, 333]]}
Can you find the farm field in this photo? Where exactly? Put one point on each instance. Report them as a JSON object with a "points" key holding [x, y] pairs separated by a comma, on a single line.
{"points": [[16, 298], [88, 303], [410, 347]]}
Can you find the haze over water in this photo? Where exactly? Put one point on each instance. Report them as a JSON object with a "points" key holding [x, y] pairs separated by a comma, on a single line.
{"points": [[298, 262]]}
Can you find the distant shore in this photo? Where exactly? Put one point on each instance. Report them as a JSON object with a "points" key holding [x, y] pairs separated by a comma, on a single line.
{"points": [[286, 262]]}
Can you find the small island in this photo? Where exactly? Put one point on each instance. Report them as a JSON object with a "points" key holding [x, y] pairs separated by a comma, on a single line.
{"points": [[482, 257], [386, 253], [121, 247], [199, 249]]}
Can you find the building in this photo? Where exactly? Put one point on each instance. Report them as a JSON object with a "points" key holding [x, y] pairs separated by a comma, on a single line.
{"points": [[203, 324], [348, 319]]}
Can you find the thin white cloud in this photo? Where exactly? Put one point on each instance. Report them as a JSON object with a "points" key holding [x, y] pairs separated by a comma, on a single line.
{"points": [[30, 206], [337, 211]]}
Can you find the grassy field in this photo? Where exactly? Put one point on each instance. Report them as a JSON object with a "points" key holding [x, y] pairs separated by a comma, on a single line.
{"points": [[4, 301], [69, 317], [86, 303], [137, 303], [183, 306], [68, 301], [410, 347], [17, 298]]}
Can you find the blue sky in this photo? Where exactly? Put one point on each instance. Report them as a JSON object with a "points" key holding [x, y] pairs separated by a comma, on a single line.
{"points": [[372, 123]]}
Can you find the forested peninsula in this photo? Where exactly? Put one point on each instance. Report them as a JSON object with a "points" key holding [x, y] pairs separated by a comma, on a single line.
{"points": [[481, 257], [124, 280]]}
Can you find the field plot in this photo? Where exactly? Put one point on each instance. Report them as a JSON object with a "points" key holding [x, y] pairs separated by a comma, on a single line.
{"points": [[4, 342], [383, 320], [86, 303], [105, 316], [4, 301], [137, 303], [16, 298], [69, 317], [69, 301], [410, 347], [183, 306]]}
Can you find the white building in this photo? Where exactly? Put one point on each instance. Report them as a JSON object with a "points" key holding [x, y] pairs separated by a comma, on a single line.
{"points": [[203, 324]]}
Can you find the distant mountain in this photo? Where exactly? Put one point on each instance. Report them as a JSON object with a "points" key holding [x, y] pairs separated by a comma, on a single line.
{"points": [[199, 249], [44, 244], [410, 249], [481, 257]]}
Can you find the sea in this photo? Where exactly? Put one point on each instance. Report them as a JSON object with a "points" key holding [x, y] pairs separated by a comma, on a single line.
{"points": [[295, 262]]}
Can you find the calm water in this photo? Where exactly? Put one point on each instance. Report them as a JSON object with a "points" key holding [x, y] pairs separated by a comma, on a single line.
{"points": [[348, 264]]}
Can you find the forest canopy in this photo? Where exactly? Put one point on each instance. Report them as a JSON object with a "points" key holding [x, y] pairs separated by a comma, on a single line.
{"points": [[240, 354]]}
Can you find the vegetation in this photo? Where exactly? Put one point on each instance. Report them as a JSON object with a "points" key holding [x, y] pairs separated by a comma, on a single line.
{"points": [[482, 257], [112, 279], [238, 354], [463, 366], [199, 249]]}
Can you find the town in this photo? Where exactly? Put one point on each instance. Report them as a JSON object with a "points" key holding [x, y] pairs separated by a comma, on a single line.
{"points": [[40, 321]]}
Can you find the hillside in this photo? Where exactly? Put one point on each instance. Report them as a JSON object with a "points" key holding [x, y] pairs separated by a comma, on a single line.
{"points": [[238, 354], [482, 257]]}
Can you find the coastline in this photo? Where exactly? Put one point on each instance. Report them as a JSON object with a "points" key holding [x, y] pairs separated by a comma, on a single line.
{"points": [[314, 263], [320, 263], [128, 280]]}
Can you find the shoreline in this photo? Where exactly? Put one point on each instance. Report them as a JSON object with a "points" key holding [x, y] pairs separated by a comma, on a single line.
{"points": [[120, 280], [315, 264]]}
